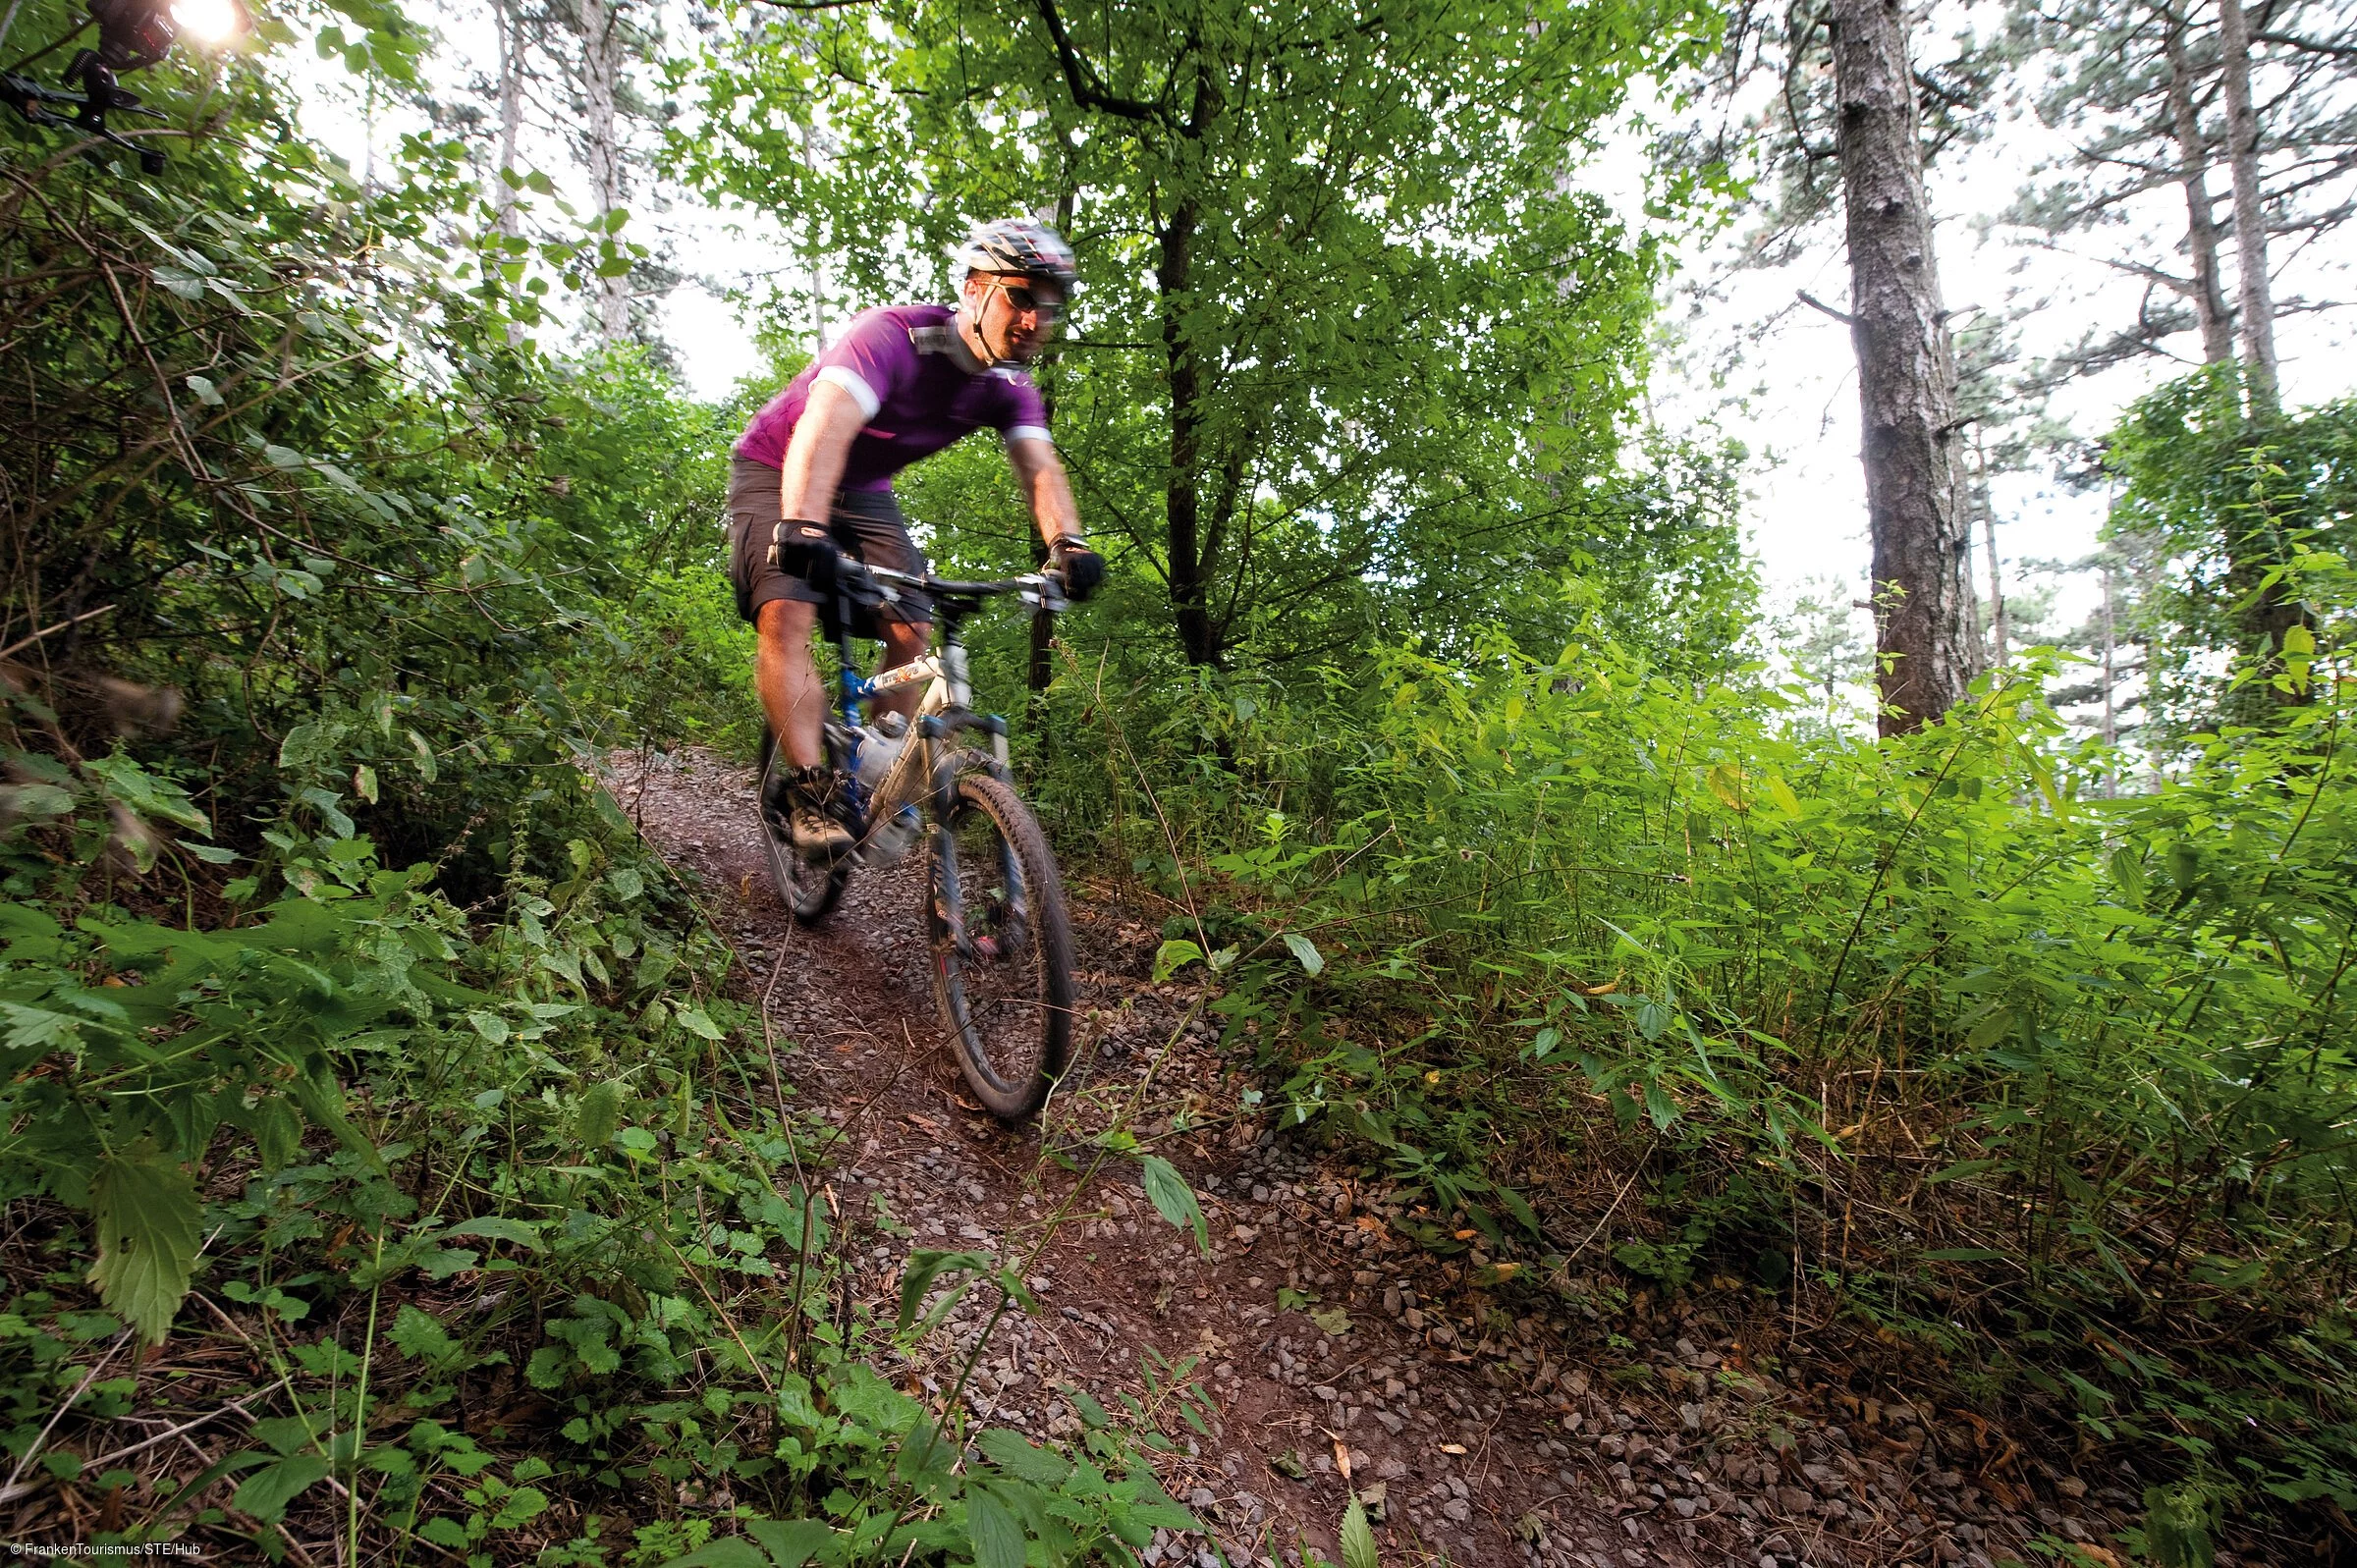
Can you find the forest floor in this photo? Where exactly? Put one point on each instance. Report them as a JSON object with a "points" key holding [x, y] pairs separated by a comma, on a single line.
{"points": [[1480, 1427]]}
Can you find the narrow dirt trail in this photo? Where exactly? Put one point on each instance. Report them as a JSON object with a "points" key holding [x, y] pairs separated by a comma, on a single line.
{"points": [[1477, 1436]]}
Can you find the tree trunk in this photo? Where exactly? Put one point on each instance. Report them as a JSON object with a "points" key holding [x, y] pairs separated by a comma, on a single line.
{"points": [[2000, 632], [601, 77], [2110, 667], [1906, 376], [2201, 228], [509, 25], [1183, 495], [2254, 297]]}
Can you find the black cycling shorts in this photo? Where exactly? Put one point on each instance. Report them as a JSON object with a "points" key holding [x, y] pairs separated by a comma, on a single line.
{"points": [[866, 523]]}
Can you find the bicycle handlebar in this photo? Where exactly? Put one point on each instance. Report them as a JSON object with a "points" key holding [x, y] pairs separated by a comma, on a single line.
{"points": [[1042, 588]]}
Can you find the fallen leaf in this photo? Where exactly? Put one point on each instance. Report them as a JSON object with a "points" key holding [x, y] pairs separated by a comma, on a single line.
{"points": [[1453, 1447], [1342, 1457]]}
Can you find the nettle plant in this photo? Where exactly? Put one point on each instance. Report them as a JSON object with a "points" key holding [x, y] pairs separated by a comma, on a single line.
{"points": [[2079, 1022], [404, 1158]]}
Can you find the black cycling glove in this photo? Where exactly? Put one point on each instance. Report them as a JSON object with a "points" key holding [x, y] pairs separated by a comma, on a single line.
{"points": [[806, 550], [1082, 567]]}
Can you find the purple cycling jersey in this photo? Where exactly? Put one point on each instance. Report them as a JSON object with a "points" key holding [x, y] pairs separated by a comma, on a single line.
{"points": [[907, 369]]}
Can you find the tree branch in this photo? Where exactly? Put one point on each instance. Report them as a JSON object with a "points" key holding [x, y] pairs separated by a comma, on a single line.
{"points": [[1088, 89], [1842, 316], [2339, 51]]}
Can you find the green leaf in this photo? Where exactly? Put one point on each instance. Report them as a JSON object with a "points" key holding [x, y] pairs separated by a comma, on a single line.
{"points": [[1994, 1027], [135, 786], [493, 1228], [1515, 1205], [444, 1533], [692, 1020], [730, 1551], [490, 1026], [1174, 1198], [147, 1212], [1175, 955], [420, 1336], [266, 1493], [330, 808], [1091, 1413], [1306, 952], [998, 1539], [597, 1114], [1022, 1459], [923, 1267], [1357, 1537], [791, 1542]]}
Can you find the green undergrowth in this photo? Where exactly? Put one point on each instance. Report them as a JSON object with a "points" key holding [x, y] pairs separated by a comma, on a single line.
{"points": [[388, 1175], [480, 1236], [2037, 1074]]}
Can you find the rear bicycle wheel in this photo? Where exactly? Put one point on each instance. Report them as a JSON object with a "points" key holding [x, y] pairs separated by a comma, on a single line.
{"points": [[808, 891], [1001, 947]]}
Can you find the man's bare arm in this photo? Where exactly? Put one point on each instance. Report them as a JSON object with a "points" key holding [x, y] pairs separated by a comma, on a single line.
{"points": [[822, 443], [1041, 474]]}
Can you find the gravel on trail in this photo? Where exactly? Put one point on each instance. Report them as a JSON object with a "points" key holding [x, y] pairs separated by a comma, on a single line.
{"points": [[1338, 1355]]}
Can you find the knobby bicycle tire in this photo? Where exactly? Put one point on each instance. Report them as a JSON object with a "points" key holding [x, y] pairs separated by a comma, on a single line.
{"points": [[1006, 991], [808, 892]]}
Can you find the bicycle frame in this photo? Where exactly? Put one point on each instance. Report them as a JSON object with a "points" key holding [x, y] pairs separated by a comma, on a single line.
{"points": [[926, 762]]}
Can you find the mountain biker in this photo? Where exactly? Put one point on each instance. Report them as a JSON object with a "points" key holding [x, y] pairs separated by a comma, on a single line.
{"points": [[811, 481]]}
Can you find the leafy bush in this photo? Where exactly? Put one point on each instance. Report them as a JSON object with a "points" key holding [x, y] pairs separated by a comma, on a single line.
{"points": [[355, 1053], [2050, 1081]]}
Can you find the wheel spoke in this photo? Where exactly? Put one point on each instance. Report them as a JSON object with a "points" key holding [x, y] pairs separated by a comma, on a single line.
{"points": [[1002, 962]]}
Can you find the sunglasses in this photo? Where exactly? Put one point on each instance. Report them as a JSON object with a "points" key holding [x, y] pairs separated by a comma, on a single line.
{"points": [[1036, 302]]}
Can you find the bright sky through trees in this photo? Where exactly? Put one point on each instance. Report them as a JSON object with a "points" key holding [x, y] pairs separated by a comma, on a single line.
{"points": [[1741, 353]]}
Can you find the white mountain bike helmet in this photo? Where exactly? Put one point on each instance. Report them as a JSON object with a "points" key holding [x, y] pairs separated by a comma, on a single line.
{"points": [[1020, 247]]}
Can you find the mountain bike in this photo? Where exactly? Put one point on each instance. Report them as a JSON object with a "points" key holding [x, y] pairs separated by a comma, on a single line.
{"points": [[1001, 946]]}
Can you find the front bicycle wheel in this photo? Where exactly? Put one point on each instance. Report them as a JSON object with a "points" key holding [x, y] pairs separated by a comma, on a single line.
{"points": [[1001, 947], [808, 891]]}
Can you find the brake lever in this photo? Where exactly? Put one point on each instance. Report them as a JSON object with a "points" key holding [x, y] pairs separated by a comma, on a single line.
{"points": [[1044, 592]]}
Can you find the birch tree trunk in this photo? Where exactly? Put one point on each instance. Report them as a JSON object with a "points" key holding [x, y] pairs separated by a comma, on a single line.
{"points": [[2200, 227], [2254, 297], [2001, 630], [1906, 376], [601, 76], [507, 18]]}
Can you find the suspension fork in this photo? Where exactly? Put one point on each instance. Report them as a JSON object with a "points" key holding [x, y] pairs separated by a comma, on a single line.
{"points": [[939, 732]]}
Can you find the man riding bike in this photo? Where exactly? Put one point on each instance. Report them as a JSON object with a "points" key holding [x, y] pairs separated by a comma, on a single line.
{"points": [[813, 480]]}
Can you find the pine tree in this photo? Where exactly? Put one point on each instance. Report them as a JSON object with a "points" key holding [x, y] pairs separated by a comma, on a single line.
{"points": [[1856, 121], [2146, 94], [1906, 374]]}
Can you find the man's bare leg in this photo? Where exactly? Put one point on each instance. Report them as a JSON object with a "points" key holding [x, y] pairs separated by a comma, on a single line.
{"points": [[793, 696], [903, 644]]}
